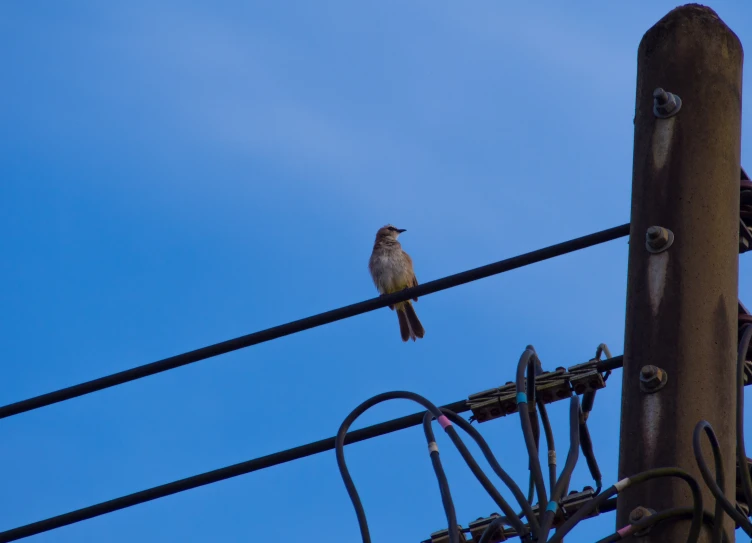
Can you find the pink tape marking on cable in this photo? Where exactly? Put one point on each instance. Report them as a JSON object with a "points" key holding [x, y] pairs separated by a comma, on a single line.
{"points": [[444, 421], [625, 531]]}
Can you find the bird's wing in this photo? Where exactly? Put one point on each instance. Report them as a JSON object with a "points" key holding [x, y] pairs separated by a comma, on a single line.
{"points": [[414, 280]]}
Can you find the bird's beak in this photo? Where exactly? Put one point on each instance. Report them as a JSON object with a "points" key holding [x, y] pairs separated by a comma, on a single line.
{"points": [[400, 230]]}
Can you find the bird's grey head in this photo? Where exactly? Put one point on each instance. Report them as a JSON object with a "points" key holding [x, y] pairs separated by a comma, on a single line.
{"points": [[388, 232]]}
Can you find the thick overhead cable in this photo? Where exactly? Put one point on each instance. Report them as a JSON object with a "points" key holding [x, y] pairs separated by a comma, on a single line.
{"points": [[294, 327], [242, 468], [217, 475]]}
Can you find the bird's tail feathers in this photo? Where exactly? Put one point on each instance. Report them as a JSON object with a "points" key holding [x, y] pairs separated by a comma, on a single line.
{"points": [[416, 328], [410, 326], [403, 324]]}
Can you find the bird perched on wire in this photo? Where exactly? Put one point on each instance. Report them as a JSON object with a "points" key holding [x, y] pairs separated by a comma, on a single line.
{"points": [[392, 270]]}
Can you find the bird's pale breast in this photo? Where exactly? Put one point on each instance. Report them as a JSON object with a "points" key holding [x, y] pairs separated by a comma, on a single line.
{"points": [[389, 271]]}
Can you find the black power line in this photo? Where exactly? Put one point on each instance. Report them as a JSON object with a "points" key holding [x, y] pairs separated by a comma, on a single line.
{"points": [[217, 475], [294, 327], [249, 466]]}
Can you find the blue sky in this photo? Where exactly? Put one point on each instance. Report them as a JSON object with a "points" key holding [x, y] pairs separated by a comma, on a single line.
{"points": [[177, 174]]}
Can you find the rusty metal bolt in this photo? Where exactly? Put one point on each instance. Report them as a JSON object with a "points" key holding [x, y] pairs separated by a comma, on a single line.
{"points": [[664, 100], [665, 104], [652, 377], [638, 513], [656, 237]]}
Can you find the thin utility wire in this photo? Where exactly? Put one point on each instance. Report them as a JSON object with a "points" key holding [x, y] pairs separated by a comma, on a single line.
{"points": [[307, 323], [217, 475], [256, 464]]}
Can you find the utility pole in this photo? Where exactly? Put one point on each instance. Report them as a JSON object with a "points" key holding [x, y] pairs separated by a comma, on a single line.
{"points": [[681, 319]]}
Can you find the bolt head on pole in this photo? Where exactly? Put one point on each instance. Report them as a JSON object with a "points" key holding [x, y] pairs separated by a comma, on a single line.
{"points": [[658, 239], [638, 513], [652, 378], [665, 104], [681, 304], [647, 372]]}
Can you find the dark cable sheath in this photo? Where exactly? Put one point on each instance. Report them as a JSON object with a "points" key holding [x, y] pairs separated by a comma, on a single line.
{"points": [[602, 349], [531, 489], [532, 371], [610, 364], [491, 528], [720, 481], [607, 507], [446, 495], [586, 443], [741, 452], [549, 442], [566, 474], [548, 431], [494, 463], [307, 323], [589, 397], [531, 406], [342, 464], [677, 513], [722, 503], [527, 431], [483, 479], [592, 505], [235, 470], [217, 475]]}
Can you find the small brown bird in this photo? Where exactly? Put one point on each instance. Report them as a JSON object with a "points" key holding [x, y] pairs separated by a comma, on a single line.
{"points": [[392, 270]]}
